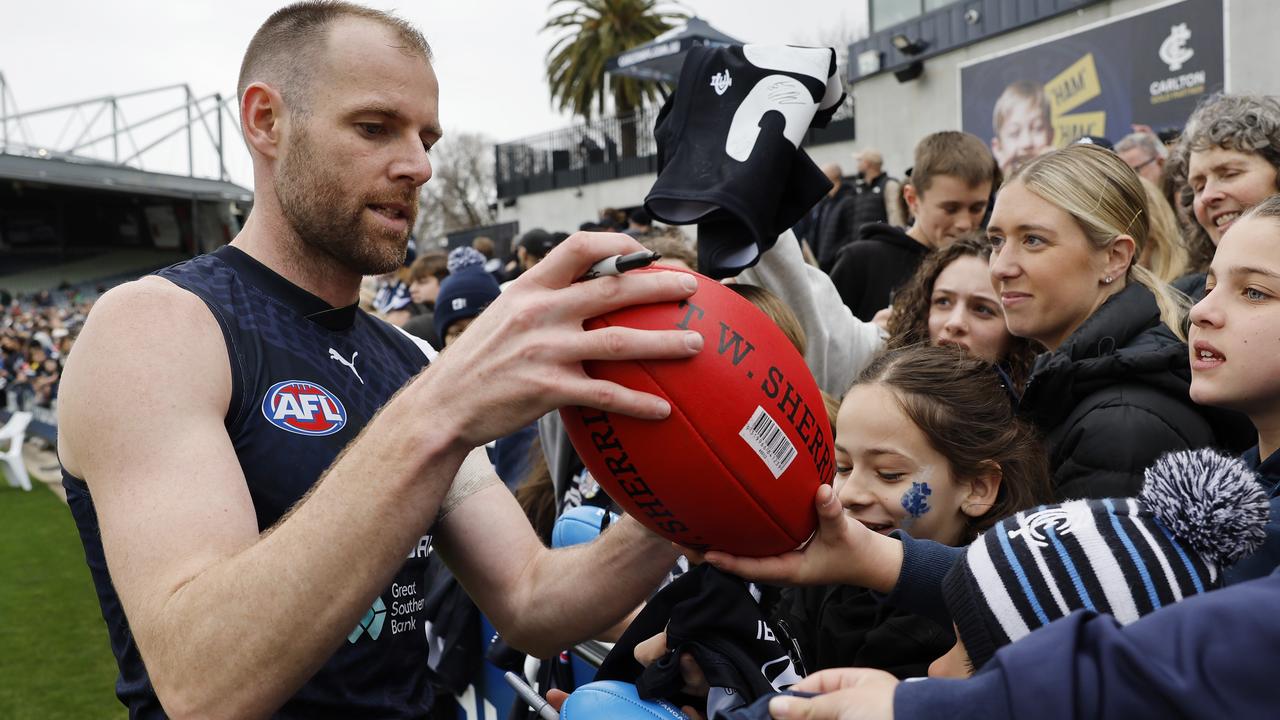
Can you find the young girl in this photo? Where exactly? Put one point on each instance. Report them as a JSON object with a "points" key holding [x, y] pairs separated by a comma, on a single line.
{"points": [[1110, 396], [950, 301], [926, 442], [1235, 353]]}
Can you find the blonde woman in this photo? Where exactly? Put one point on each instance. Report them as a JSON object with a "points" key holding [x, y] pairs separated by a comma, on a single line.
{"points": [[1111, 393]]}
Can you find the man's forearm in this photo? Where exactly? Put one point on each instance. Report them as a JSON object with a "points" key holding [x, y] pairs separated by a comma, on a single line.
{"points": [[581, 591], [241, 636]]}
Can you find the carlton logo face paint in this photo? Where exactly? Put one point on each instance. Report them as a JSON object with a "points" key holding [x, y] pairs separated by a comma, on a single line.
{"points": [[916, 500]]}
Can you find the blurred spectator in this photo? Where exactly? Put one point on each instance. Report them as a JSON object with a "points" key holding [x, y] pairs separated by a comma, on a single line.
{"points": [[675, 250], [612, 220], [639, 223], [1144, 153], [492, 263], [36, 334], [463, 295], [830, 224], [951, 183], [878, 195], [534, 245], [425, 276]]}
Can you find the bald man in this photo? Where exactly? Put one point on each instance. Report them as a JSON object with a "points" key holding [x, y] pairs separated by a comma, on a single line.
{"points": [[879, 197], [259, 470]]}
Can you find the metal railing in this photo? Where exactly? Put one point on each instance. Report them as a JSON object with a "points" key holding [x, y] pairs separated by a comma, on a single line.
{"points": [[599, 150], [91, 124], [606, 149]]}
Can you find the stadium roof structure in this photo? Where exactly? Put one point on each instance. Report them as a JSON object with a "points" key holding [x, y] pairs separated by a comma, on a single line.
{"points": [[118, 178], [662, 58], [98, 126]]}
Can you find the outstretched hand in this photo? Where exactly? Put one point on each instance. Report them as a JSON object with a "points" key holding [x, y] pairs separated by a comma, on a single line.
{"points": [[842, 551], [846, 694], [522, 357]]}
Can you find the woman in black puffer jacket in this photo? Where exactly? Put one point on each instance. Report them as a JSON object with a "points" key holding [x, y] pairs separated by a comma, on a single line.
{"points": [[1111, 395]]}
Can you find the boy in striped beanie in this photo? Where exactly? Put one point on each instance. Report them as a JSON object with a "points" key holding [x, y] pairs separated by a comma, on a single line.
{"points": [[1198, 513]]}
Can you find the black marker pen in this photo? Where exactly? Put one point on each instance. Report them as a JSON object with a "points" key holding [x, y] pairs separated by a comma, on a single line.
{"points": [[618, 264]]}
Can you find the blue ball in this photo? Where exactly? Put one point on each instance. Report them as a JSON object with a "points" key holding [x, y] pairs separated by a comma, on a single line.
{"points": [[616, 701], [578, 525]]}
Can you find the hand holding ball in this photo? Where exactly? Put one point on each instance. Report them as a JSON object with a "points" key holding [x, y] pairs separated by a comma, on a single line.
{"points": [[736, 464]]}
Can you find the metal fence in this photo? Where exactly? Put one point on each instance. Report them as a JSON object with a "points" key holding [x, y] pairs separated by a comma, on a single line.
{"points": [[600, 150], [606, 149]]}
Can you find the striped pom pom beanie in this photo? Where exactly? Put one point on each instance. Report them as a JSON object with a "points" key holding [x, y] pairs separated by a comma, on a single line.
{"points": [[1198, 513]]}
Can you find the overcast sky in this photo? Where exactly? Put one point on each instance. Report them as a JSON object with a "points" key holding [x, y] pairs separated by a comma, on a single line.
{"points": [[490, 58]]}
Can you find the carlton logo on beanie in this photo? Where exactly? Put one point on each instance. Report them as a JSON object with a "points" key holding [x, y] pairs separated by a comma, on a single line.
{"points": [[1057, 520], [1198, 513]]}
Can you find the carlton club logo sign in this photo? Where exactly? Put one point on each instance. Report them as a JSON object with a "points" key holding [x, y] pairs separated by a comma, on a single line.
{"points": [[304, 408], [1174, 51]]}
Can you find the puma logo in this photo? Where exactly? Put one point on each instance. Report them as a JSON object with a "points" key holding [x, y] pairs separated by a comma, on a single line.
{"points": [[333, 355]]}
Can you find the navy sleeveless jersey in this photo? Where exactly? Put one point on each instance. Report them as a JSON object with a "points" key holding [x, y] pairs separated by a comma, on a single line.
{"points": [[306, 377]]}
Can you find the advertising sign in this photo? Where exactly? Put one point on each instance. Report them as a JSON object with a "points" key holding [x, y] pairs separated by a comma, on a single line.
{"points": [[1148, 68]]}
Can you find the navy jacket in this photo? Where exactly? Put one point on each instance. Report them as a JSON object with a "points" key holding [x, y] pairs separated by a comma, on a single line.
{"points": [[1210, 656], [1266, 558]]}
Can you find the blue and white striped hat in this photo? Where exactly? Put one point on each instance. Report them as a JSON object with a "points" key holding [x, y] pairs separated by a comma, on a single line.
{"points": [[1198, 513]]}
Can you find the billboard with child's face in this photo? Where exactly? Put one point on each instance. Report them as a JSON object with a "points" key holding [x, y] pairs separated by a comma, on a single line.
{"points": [[1149, 68]]}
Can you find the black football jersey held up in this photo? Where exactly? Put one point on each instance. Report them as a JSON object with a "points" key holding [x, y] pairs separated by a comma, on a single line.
{"points": [[729, 154], [306, 377]]}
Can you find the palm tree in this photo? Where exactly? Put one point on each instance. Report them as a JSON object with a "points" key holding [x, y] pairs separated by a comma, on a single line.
{"points": [[594, 31]]}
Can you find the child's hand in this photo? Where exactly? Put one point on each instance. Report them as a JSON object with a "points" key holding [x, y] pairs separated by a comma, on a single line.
{"points": [[848, 694], [842, 551]]}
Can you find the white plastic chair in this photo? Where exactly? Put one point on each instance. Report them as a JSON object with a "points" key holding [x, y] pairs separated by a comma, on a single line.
{"points": [[15, 433]]}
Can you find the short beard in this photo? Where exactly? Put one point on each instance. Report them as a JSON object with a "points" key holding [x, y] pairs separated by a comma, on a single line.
{"points": [[324, 215]]}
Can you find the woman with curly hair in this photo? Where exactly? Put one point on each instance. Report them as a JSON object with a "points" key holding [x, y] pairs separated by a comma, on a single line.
{"points": [[1227, 161], [950, 301]]}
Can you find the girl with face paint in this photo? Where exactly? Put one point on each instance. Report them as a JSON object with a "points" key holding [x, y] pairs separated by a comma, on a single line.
{"points": [[926, 443]]}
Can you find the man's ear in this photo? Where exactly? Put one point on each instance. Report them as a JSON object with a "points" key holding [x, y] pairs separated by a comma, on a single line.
{"points": [[984, 488], [262, 119]]}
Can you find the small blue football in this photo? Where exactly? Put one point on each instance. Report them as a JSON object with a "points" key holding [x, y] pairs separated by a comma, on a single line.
{"points": [[616, 701], [578, 525]]}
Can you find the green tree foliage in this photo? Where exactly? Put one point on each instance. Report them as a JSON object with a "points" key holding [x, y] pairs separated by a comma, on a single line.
{"points": [[591, 32]]}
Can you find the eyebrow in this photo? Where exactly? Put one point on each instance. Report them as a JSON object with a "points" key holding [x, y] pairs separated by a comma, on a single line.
{"points": [[392, 113], [1213, 168], [885, 451], [1241, 270], [1023, 228]]}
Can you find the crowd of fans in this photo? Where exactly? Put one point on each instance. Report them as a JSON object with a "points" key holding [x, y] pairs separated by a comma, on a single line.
{"points": [[36, 334], [1017, 321], [1020, 319]]}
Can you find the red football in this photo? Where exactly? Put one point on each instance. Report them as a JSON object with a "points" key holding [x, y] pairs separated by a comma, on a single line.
{"points": [[736, 464]]}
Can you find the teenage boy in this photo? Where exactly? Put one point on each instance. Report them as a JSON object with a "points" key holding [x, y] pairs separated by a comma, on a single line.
{"points": [[950, 187]]}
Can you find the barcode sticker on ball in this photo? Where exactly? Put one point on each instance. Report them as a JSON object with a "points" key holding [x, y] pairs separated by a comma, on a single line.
{"points": [[769, 441]]}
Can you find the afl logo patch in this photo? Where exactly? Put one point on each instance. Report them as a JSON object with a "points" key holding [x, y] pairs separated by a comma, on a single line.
{"points": [[303, 407]]}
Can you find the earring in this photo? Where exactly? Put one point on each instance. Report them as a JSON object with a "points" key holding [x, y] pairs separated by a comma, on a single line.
{"points": [[1107, 280]]}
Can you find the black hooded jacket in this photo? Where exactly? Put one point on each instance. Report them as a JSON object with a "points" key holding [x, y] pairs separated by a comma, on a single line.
{"points": [[1113, 398], [868, 270]]}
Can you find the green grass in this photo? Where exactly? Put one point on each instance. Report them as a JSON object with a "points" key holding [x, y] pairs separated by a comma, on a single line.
{"points": [[55, 661]]}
